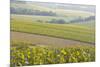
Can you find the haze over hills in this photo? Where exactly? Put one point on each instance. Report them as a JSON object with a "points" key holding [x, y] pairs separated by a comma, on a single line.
{"points": [[89, 8], [68, 12]]}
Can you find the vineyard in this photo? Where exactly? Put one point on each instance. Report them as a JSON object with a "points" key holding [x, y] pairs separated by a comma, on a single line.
{"points": [[22, 55]]}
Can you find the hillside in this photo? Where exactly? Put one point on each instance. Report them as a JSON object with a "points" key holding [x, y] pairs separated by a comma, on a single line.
{"points": [[50, 8]]}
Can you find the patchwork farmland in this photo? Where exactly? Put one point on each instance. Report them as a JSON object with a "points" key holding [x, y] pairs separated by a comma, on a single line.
{"points": [[44, 35]]}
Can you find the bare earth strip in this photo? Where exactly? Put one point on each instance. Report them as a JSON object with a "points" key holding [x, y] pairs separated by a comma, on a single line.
{"points": [[43, 40]]}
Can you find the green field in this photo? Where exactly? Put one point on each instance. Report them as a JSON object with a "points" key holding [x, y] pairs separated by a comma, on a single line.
{"points": [[43, 19], [66, 31], [25, 53]]}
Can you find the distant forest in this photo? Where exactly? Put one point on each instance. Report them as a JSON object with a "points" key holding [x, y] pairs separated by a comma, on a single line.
{"points": [[90, 18], [24, 11]]}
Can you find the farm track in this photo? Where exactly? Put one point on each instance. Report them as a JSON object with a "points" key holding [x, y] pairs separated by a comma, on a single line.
{"points": [[44, 40]]}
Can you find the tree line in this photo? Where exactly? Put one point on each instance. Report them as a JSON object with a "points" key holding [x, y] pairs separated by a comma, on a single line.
{"points": [[25, 11]]}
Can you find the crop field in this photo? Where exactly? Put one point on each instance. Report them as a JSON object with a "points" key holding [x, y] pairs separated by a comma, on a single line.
{"points": [[66, 31], [43, 40], [28, 52], [22, 55], [43, 19], [35, 43]]}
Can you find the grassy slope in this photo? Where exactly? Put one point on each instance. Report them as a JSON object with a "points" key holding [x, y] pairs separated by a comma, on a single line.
{"points": [[67, 31], [36, 18]]}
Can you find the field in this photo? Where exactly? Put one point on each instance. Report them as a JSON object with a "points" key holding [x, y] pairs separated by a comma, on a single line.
{"points": [[35, 55], [67, 31], [45, 33], [43, 40], [42, 50]]}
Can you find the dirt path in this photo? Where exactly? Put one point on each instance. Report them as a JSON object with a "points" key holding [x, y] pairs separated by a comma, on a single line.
{"points": [[43, 40]]}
